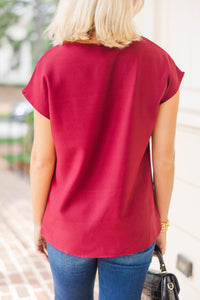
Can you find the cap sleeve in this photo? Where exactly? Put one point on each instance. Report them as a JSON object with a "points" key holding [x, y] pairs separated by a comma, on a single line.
{"points": [[174, 78], [36, 91]]}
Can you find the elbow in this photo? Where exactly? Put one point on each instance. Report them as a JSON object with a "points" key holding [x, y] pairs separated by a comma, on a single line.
{"points": [[164, 161], [40, 163], [165, 165]]}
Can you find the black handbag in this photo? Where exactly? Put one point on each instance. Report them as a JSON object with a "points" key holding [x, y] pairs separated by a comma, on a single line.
{"points": [[160, 285]]}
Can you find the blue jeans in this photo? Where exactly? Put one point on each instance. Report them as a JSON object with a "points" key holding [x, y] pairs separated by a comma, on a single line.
{"points": [[120, 277]]}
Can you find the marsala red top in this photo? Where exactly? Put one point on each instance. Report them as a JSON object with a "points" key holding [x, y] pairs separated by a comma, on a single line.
{"points": [[102, 104]]}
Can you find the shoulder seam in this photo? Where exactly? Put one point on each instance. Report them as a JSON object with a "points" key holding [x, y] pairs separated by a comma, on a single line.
{"points": [[46, 54], [157, 45]]}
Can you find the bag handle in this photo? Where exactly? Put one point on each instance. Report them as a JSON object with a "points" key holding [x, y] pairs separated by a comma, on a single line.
{"points": [[158, 252]]}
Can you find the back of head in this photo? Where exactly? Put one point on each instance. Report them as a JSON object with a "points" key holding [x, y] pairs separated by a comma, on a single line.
{"points": [[112, 21]]}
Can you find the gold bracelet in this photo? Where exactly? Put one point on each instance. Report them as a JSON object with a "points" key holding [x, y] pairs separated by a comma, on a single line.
{"points": [[165, 226]]}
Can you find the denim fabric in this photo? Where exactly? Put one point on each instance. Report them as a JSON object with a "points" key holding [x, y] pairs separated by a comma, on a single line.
{"points": [[120, 277]]}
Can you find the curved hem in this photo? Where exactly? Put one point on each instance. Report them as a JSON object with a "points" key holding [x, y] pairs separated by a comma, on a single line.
{"points": [[60, 248]]}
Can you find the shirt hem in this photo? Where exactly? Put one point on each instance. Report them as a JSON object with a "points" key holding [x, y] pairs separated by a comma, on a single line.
{"points": [[62, 249]]}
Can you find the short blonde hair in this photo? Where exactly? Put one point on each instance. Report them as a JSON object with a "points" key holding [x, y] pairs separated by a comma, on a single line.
{"points": [[111, 20]]}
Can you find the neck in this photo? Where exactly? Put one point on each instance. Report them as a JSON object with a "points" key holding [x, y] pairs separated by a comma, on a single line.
{"points": [[92, 40]]}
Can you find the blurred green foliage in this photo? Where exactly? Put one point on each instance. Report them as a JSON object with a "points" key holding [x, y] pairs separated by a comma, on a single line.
{"points": [[25, 20], [20, 156]]}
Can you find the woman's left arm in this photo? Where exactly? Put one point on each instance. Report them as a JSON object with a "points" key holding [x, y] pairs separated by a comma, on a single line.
{"points": [[42, 165]]}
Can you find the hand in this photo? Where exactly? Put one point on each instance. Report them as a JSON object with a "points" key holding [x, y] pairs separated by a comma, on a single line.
{"points": [[40, 243], [161, 242]]}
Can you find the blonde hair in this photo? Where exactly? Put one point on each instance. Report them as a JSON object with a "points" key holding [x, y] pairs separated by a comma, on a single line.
{"points": [[111, 20]]}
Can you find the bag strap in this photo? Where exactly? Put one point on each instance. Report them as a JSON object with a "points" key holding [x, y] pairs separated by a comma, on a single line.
{"points": [[158, 252]]}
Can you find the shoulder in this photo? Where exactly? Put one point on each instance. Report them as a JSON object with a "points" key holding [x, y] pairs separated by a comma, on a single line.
{"points": [[154, 59], [50, 57], [152, 52]]}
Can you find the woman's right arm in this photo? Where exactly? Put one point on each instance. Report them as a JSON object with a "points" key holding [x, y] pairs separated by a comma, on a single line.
{"points": [[163, 159]]}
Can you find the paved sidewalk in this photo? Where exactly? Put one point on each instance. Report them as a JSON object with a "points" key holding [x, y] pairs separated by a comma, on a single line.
{"points": [[23, 273]]}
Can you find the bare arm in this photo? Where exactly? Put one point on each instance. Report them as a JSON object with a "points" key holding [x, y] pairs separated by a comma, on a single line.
{"points": [[163, 155], [43, 158]]}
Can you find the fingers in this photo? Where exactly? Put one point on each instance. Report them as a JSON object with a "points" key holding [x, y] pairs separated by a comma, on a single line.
{"points": [[162, 248], [40, 243], [43, 254], [42, 249], [161, 242]]}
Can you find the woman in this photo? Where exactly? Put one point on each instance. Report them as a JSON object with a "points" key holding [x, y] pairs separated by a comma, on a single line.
{"points": [[99, 94]]}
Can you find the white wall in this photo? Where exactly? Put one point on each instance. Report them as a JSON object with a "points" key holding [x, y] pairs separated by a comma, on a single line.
{"points": [[175, 26]]}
